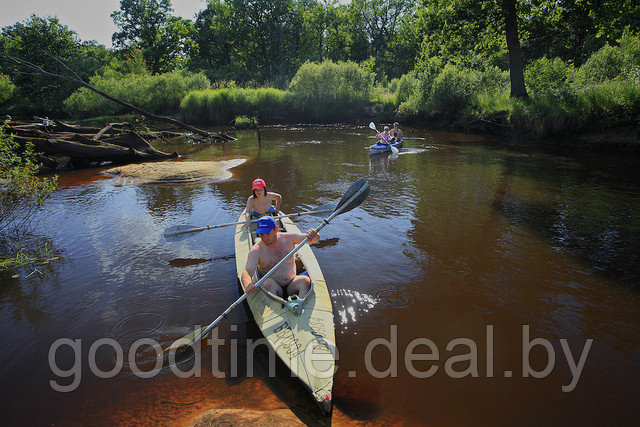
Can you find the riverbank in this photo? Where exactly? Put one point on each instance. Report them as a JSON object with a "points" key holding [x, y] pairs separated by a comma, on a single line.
{"points": [[620, 139]]}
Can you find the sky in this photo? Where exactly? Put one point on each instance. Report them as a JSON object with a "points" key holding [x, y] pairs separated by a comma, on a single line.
{"points": [[91, 19]]}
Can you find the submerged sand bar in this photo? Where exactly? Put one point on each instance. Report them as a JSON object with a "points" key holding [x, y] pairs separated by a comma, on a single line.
{"points": [[172, 172]]}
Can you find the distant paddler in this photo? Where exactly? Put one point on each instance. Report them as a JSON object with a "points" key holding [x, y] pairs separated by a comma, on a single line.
{"points": [[396, 133], [385, 136]]}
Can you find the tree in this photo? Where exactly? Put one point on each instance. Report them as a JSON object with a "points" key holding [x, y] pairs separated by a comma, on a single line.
{"points": [[218, 46], [574, 29], [516, 69], [466, 32], [381, 19], [39, 40], [149, 26]]}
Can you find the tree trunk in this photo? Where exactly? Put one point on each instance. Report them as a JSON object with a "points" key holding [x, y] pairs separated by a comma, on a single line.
{"points": [[516, 68]]}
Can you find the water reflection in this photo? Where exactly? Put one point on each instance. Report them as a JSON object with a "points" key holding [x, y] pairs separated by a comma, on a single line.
{"points": [[455, 235], [582, 217], [25, 289]]}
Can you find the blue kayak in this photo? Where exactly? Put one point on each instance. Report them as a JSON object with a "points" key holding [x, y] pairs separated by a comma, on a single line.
{"points": [[383, 148]]}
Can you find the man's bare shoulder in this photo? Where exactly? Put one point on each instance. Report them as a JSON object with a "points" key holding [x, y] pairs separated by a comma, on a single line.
{"points": [[256, 246]]}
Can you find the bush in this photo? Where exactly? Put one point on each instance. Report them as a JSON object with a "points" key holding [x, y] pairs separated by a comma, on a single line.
{"points": [[606, 64], [244, 122], [407, 86], [21, 191], [330, 90], [414, 91], [493, 80], [158, 94], [454, 90], [544, 76], [221, 106], [7, 88], [612, 62]]}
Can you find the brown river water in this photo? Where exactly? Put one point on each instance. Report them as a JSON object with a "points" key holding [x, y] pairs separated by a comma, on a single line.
{"points": [[482, 282]]}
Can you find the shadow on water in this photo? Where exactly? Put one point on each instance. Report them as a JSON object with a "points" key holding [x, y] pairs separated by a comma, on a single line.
{"points": [[326, 243], [591, 220], [357, 398], [187, 262]]}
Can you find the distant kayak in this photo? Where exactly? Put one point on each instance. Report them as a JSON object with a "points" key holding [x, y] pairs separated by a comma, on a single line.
{"points": [[383, 148]]}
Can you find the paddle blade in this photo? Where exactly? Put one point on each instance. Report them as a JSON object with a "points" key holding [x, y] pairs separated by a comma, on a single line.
{"points": [[394, 150], [373, 126], [361, 188], [321, 210], [180, 232]]}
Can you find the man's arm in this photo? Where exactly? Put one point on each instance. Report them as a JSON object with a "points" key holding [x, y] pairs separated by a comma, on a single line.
{"points": [[312, 234], [249, 270]]}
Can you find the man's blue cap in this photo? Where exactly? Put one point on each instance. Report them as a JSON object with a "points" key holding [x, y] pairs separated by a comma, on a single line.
{"points": [[265, 225]]}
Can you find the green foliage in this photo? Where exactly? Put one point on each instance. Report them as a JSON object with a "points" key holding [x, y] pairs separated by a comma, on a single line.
{"points": [[158, 94], [130, 62], [493, 80], [545, 76], [7, 88], [605, 64], [454, 90], [22, 193], [612, 62], [149, 26], [43, 254], [573, 30], [244, 122], [466, 32], [35, 40], [331, 91], [384, 25], [221, 106]]}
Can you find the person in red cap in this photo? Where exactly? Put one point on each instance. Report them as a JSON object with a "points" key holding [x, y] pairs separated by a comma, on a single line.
{"points": [[259, 204], [268, 251]]}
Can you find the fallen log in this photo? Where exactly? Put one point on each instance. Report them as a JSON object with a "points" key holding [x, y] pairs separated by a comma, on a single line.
{"points": [[64, 149]]}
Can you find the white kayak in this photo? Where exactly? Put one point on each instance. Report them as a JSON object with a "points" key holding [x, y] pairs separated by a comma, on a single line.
{"points": [[302, 333]]}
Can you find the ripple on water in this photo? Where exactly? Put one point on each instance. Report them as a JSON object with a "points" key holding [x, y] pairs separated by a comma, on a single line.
{"points": [[396, 298], [150, 325], [131, 328]]}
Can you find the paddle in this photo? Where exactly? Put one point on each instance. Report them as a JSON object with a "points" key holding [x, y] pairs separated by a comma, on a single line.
{"points": [[176, 233], [404, 137], [394, 150], [351, 199]]}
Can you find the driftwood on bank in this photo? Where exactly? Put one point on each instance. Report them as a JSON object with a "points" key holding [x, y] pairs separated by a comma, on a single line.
{"points": [[60, 146], [205, 135]]}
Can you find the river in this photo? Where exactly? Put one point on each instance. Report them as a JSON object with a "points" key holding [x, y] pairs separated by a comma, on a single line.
{"points": [[482, 282]]}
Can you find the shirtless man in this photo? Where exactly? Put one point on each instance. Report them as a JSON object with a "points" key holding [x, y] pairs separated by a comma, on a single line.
{"points": [[268, 251]]}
